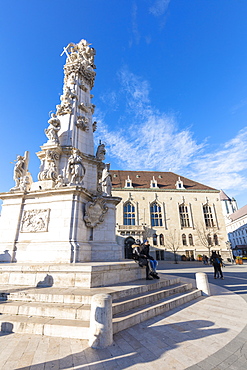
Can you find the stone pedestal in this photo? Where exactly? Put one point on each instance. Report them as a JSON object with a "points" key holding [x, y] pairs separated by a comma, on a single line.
{"points": [[48, 226]]}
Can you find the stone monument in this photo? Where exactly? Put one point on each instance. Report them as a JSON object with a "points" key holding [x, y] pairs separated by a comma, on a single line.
{"points": [[68, 215]]}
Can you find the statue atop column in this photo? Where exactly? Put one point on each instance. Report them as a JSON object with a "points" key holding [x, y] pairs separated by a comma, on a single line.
{"points": [[80, 59]]}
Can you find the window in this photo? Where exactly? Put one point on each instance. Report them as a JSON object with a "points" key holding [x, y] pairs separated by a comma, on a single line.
{"points": [[191, 239], [128, 183], [216, 242], [184, 216], [129, 214], [154, 239], [209, 239], [179, 184], [208, 216], [156, 215], [161, 239], [153, 183], [184, 241]]}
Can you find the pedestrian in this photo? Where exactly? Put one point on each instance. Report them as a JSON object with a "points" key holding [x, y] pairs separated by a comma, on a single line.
{"points": [[216, 261]]}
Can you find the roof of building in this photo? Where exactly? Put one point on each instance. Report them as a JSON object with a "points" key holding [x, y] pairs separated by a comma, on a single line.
{"points": [[239, 213], [165, 180], [223, 196]]}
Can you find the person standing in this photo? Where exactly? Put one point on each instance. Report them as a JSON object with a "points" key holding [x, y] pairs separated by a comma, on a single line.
{"points": [[216, 260]]}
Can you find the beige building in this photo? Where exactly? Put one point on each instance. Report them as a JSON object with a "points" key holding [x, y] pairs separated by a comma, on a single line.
{"points": [[176, 214]]}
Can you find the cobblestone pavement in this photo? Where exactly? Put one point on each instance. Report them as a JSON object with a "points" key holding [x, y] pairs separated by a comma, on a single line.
{"points": [[209, 333]]}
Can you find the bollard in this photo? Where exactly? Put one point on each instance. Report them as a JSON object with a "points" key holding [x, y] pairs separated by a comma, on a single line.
{"points": [[100, 330], [202, 283]]}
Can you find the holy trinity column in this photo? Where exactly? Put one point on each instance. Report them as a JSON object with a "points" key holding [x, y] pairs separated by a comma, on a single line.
{"points": [[67, 157]]}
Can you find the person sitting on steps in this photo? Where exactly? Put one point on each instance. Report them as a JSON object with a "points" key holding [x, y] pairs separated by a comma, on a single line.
{"points": [[151, 262]]}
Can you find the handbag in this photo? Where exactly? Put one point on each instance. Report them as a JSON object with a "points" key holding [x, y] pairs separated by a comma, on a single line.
{"points": [[143, 262]]}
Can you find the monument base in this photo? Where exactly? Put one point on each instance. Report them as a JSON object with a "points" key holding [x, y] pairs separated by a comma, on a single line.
{"points": [[83, 275], [48, 226]]}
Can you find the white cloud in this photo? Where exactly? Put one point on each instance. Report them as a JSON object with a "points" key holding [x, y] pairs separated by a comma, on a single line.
{"points": [[225, 168], [135, 30], [238, 106], [151, 140], [110, 99], [159, 7]]}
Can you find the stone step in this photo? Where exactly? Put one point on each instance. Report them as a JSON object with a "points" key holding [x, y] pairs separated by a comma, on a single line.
{"points": [[150, 297], [44, 326], [65, 312], [134, 316], [69, 311], [80, 295], [143, 286]]}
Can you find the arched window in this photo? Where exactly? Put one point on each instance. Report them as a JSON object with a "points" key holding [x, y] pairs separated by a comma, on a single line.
{"points": [[216, 242], [129, 214], [184, 241], [161, 239], [208, 216], [184, 215], [155, 239], [191, 239], [209, 239], [156, 215]]}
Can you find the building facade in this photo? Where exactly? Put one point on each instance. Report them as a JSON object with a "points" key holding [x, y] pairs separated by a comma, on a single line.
{"points": [[237, 231], [177, 215]]}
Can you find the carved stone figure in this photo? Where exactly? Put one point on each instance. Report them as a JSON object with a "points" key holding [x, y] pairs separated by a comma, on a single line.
{"points": [[75, 170], [66, 101], [105, 181], [82, 50], [25, 184], [20, 170], [59, 182], [80, 59], [94, 126], [82, 123], [53, 128], [100, 154]]}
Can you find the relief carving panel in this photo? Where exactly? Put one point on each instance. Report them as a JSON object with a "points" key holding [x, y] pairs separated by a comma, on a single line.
{"points": [[35, 220]]}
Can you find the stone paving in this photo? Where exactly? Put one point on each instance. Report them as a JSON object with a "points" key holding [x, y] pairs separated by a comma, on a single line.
{"points": [[209, 333]]}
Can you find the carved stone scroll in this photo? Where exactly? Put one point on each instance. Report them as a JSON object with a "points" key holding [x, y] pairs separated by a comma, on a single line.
{"points": [[48, 168]]}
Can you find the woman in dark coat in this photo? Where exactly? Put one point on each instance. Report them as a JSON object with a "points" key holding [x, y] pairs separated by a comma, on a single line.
{"points": [[151, 263]]}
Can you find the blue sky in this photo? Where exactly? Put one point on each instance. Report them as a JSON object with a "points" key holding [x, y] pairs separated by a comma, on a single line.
{"points": [[170, 89]]}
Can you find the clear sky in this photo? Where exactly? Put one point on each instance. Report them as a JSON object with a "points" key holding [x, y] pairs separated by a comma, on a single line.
{"points": [[170, 89]]}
